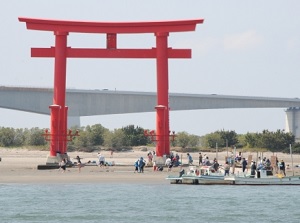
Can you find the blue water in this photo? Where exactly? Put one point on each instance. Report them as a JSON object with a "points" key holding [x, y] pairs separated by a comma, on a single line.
{"points": [[148, 203]]}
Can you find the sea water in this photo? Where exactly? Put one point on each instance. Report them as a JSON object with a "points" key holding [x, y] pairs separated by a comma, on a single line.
{"points": [[144, 203]]}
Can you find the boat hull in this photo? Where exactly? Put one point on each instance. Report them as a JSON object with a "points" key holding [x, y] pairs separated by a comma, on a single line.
{"points": [[295, 180], [204, 180], [174, 180], [234, 180]]}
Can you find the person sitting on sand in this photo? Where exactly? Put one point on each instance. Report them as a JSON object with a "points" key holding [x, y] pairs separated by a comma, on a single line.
{"points": [[168, 161], [207, 162]]}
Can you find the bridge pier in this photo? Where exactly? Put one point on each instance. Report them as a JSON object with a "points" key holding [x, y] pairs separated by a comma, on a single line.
{"points": [[292, 122], [73, 121]]}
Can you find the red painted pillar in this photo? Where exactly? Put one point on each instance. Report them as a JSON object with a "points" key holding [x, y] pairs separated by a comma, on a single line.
{"points": [[54, 110], [111, 41], [162, 115], [160, 129], [59, 92], [64, 130]]}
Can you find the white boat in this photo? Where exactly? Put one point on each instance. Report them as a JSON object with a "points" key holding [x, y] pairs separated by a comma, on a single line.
{"points": [[203, 175], [206, 177], [264, 177]]}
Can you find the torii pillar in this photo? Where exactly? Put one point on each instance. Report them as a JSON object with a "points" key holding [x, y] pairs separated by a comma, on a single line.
{"points": [[60, 52]]}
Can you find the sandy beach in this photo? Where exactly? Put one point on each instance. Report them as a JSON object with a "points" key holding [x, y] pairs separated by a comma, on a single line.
{"points": [[20, 166]]}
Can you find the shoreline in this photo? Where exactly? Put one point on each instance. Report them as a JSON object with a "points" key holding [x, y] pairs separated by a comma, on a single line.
{"points": [[20, 166]]}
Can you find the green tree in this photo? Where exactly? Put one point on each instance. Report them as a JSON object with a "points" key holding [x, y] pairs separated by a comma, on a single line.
{"points": [[194, 140], [115, 139], [228, 136], [222, 138], [273, 141], [35, 137], [212, 139], [134, 136], [19, 138], [7, 136], [251, 139], [182, 139], [96, 134], [276, 141], [82, 141]]}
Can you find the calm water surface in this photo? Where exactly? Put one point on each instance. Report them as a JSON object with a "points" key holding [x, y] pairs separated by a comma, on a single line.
{"points": [[148, 203]]}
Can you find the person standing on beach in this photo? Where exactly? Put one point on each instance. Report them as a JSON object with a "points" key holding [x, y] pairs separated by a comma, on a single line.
{"points": [[101, 160], [141, 165], [215, 165], [78, 163], [226, 168], [244, 164], [200, 159], [253, 169], [63, 165], [282, 167], [177, 159], [136, 166]]}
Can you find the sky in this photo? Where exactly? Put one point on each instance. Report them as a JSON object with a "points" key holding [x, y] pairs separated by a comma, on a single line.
{"points": [[245, 48]]}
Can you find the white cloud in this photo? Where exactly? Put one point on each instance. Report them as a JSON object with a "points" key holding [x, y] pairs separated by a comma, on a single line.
{"points": [[242, 41]]}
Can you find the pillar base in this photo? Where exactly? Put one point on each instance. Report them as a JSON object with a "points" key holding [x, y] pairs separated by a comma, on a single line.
{"points": [[160, 160], [55, 160]]}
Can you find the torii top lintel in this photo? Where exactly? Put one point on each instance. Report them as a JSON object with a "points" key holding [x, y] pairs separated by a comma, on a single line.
{"points": [[110, 27]]}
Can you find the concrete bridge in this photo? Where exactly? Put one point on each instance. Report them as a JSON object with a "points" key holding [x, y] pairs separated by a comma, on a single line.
{"points": [[102, 102]]}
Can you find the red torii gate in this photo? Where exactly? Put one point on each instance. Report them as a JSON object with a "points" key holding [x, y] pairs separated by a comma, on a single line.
{"points": [[61, 28]]}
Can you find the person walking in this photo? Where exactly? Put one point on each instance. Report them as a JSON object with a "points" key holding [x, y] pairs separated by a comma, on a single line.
{"points": [[190, 159], [63, 165]]}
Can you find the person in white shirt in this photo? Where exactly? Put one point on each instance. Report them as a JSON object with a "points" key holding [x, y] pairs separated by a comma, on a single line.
{"points": [[101, 160]]}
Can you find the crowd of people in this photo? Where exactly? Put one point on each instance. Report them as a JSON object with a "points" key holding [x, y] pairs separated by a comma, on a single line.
{"points": [[174, 161], [265, 164], [139, 165], [232, 161]]}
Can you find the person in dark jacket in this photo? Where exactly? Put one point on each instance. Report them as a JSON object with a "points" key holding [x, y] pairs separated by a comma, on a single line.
{"points": [[244, 164], [282, 167], [253, 168], [141, 165]]}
